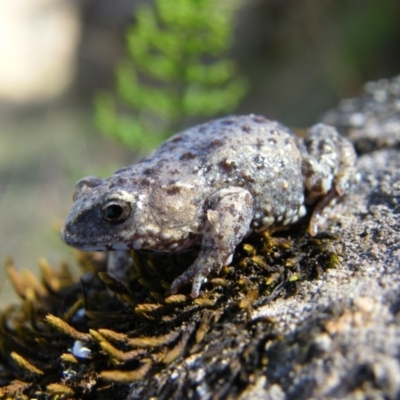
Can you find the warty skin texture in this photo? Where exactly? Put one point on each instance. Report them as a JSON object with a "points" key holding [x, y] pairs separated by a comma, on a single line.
{"points": [[212, 185]]}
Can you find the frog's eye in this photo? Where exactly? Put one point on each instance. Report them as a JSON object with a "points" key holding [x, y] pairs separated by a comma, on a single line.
{"points": [[116, 211]]}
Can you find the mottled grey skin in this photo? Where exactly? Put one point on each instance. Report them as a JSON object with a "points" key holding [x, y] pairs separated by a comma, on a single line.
{"points": [[212, 185]]}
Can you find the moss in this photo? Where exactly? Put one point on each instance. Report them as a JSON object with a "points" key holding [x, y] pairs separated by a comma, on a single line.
{"points": [[134, 330]]}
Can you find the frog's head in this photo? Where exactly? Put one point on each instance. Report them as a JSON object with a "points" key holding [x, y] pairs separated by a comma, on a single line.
{"points": [[102, 217]]}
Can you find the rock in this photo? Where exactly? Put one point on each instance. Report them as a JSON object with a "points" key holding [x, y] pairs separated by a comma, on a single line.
{"points": [[371, 121]]}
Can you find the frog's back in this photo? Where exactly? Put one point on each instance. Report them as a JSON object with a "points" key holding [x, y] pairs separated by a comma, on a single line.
{"points": [[218, 137], [251, 152]]}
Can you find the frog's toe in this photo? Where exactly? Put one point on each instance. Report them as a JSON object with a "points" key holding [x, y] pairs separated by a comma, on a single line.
{"points": [[198, 279], [198, 271], [321, 211], [185, 278], [346, 180]]}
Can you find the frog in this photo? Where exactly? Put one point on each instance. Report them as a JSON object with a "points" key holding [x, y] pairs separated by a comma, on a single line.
{"points": [[211, 186]]}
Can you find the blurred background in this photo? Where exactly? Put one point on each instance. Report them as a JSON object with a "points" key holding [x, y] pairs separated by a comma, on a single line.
{"points": [[300, 58]]}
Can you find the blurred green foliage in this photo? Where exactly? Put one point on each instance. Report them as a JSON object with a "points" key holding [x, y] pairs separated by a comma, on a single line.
{"points": [[176, 70]]}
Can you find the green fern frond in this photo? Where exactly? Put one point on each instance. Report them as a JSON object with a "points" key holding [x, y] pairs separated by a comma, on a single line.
{"points": [[176, 68]]}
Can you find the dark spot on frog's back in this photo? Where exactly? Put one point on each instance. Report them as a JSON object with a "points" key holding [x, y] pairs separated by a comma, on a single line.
{"points": [[176, 139], [187, 156], [211, 182], [228, 121], [173, 190], [203, 128], [259, 143], [119, 181], [258, 118], [145, 182], [227, 166], [246, 128], [246, 177], [195, 201], [259, 161], [124, 169], [215, 143], [232, 210], [150, 171], [240, 218], [323, 145], [248, 199]]}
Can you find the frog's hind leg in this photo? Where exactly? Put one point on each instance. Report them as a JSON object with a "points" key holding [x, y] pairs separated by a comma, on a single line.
{"points": [[227, 221], [317, 217], [328, 168]]}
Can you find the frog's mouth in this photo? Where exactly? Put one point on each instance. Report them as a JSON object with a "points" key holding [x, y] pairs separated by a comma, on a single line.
{"points": [[85, 245], [72, 241]]}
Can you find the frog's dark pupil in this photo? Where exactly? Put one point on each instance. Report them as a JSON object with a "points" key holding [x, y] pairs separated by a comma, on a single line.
{"points": [[113, 212]]}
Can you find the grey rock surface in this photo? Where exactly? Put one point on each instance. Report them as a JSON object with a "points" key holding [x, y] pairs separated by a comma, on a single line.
{"points": [[371, 120]]}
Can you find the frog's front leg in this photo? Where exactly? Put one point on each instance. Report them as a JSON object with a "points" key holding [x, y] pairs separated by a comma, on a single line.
{"points": [[118, 263], [227, 221]]}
